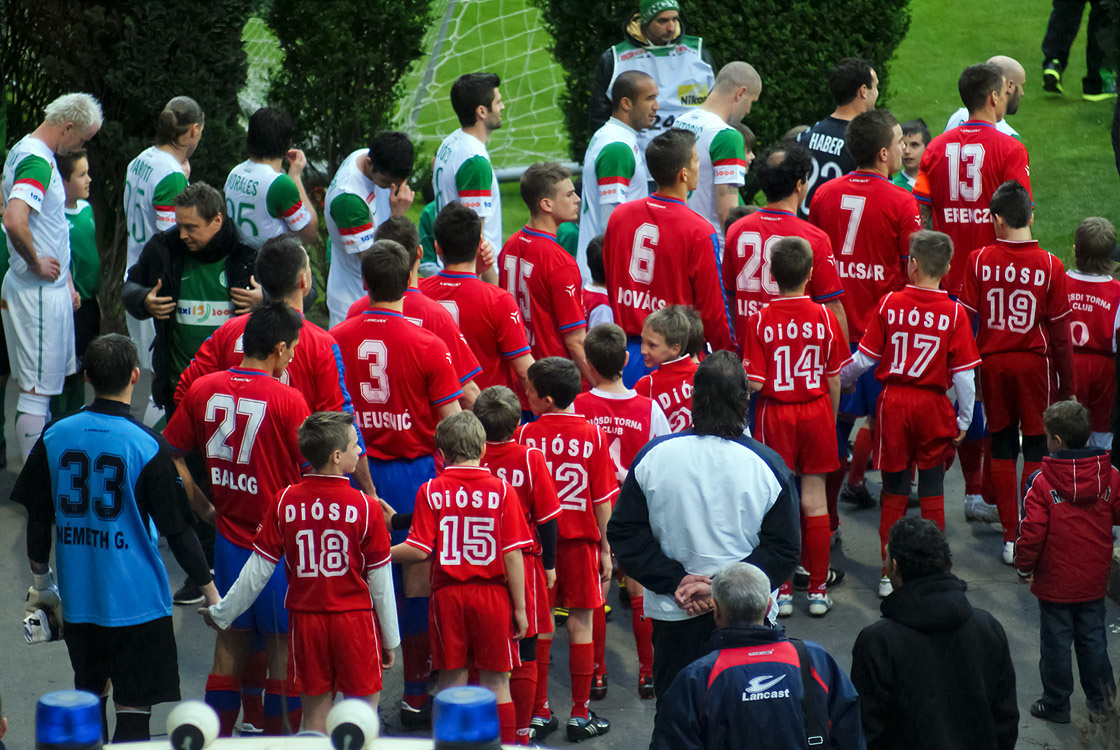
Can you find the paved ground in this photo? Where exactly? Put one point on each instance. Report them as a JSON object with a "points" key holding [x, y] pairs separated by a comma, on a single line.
{"points": [[27, 672]]}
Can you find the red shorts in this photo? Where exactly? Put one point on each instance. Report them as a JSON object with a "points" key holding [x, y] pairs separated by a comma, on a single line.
{"points": [[913, 426], [803, 434], [472, 624], [537, 607], [577, 574], [335, 652], [1016, 388], [1096, 387]]}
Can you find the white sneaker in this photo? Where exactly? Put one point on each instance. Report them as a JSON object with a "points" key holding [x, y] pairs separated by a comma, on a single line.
{"points": [[975, 509], [885, 587], [819, 604], [785, 605], [1009, 553]]}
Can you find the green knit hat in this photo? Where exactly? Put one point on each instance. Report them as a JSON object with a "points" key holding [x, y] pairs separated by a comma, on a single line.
{"points": [[651, 9]]}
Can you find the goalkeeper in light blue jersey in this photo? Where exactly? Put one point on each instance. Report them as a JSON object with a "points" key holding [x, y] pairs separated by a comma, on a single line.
{"points": [[110, 488]]}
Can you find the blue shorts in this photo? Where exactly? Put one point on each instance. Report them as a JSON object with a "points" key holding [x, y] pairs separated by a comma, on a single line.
{"points": [[635, 368], [861, 402], [397, 482], [978, 430], [267, 614]]}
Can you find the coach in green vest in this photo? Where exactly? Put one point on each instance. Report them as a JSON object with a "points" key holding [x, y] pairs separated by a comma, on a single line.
{"points": [[655, 44], [190, 279]]}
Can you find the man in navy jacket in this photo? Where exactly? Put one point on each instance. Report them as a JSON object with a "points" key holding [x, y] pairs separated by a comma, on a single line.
{"points": [[756, 686]]}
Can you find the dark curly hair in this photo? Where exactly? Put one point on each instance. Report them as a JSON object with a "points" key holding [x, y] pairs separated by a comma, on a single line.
{"points": [[919, 548]]}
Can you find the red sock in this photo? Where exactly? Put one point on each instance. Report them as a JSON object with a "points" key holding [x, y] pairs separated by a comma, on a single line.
{"points": [[1006, 491], [294, 709], [933, 509], [581, 665], [643, 635], [1029, 468], [507, 720], [969, 455], [816, 544], [861, 454], [540, 702], [523, 688], [223, 694], [894, 508], [832, 485], [253, 677], [599, 638]]}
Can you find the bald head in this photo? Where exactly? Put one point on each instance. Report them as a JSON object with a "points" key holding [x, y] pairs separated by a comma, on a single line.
{"points": [[735, 75], [737, 86], [1016, 78]]}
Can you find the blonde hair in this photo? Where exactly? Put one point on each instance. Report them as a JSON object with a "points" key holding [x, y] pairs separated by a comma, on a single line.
{"points": [[80, 109], [460, 438]]}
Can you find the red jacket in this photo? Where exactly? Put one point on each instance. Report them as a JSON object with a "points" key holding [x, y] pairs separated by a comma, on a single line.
{"points": [[1065, 537]]}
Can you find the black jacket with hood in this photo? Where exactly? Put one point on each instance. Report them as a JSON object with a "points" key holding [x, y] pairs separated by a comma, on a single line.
{"points": [[935, 673], [162, 259]]}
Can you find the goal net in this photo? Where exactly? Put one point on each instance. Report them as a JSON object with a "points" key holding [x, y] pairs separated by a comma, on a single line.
{"points": [[498, 36]]}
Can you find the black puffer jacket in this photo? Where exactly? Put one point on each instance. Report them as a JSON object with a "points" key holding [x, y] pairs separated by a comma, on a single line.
{"points": [[162, 258], [935, 673]]}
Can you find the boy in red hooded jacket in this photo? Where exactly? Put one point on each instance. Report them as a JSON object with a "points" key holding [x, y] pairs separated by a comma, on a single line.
{"points": [[1065, 552]]}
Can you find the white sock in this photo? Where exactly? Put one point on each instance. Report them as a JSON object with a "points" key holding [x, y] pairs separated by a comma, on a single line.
{"points": [[152, 414], [31, 417]]}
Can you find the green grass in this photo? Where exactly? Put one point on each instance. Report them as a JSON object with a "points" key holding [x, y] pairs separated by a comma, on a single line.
{"points": [[1073, 172]]}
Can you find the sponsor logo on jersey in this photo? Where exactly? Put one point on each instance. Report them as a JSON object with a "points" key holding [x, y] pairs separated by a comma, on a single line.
{"points": [[691, 95], [202, 313], [759, 688]]}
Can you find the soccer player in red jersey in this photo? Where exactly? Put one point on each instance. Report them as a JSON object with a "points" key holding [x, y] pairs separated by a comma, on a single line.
{"points": [[657, 251], [665, 338], [471, 525], [961, 169], [335, 548], [596, 301], [524, 468], [244, 422], [793, 351], [284, 272], [924, 340], [402, 383], [783, 175], [869, 221], [628, 421], [487, 315], [424, 312], [541, 276], [1094, 298], [581, 466], [1017, 291]]}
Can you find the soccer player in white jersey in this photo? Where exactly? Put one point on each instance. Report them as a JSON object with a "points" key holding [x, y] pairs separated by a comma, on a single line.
{"points": [[463, 171], [262, 200], [38, 298], [723, 155], [614, 167], [369, 186], [151, 182]]}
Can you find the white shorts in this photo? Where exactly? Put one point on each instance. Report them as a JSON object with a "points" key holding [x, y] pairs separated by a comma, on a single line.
{"points": [[39, 327], [142, 333]]}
